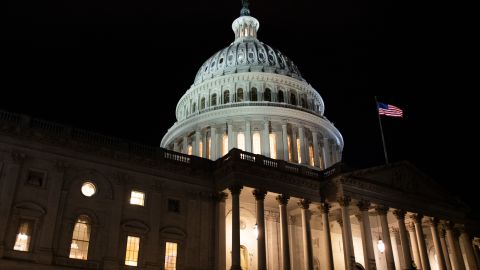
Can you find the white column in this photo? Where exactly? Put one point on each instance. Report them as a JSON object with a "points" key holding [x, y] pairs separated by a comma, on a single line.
{"points": [[198, 137], [294, 145], [307, 234], [466, 243], [414, 245], [285, 141], [235, 191], [220, 243], [301, 134], [262, 252], [175, 146], [457, 258], [433, 223], [185, 144], [266, 138], [396, 255], [282, 202], [231, 141], [421, 241], [204, 145], [248, 136], [316, 156], [367, 242], [382, 212], [407, 257], [442, 234], [325, 152], [213, 146], [327, 240], [347, 233]]}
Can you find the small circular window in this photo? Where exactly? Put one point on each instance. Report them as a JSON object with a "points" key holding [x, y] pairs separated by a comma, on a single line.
{"points": [[88, 189]]}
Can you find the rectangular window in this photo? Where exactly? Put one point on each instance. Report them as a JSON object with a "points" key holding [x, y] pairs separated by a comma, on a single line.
{"points": [[35, 178], [173, 206], [24, 235], [273, 145], [137, 198], [131, 254], [241, 141], [256, 143], [80, 239], [170, 256]]}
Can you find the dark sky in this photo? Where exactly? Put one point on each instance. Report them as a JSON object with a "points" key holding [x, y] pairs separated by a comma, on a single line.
{"points": [[119, 68]]}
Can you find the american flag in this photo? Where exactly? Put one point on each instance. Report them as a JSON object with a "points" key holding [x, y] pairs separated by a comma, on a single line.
{"points": [[389, 110]]}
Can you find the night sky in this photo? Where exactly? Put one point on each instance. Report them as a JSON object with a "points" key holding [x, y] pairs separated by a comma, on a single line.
{"points": [[119, 68]]}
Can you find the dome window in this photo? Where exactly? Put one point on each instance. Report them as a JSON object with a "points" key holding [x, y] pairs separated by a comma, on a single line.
{"points": [[226, 97], [280, 96], [213, 101], [267, 95], [293, 99], [239, 95], [221, 60], [213, 63], [253, 94], [202, 104]]}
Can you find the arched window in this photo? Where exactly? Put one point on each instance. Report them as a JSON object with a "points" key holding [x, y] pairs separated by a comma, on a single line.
{"points": [[293, 99], [253, 94], [267, 95], [302, 103], [239, 95], [194, 108], [80, 238], [226, 97], [213, 101], [280, 96], [202, 104]]}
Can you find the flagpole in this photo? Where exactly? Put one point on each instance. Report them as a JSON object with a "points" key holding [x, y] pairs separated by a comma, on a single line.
{"points": [[381, 132]]}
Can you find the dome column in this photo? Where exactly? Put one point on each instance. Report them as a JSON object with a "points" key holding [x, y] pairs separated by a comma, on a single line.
{"points": [[231, 137], [248, 136], [285, 141], [326, 156], [303, 156], [198, 137], [266, 138], [294, 145], [316, 157], [213, 143], [185, 145]]}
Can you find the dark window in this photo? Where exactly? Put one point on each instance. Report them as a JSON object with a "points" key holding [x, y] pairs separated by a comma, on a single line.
{"points": [[226, 97], [253, 94], [267, 96], [202, 104], [280, 96], [194, 107], [35, 178], [293, 100], [303, 104], [173, 206], [213, 102], [239, 95]]}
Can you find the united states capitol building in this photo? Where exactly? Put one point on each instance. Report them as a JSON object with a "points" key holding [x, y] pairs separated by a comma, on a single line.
{"points": [[249, 177]]}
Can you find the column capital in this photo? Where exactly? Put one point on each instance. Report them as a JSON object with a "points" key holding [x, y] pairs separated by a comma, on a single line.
{"points": [[442, 233], [283, 199], [304, 203], [381, 210], [340, 221], [259, 194], [400, 214], [363, 205], [411, 226], [417, 218], [449, 225], [394, 231], [344, 200], [433, 222], [359, 217], [235, 189], [325, 208], [220, 197]]}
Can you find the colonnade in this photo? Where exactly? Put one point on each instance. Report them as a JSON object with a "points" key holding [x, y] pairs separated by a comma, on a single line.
{"points": [[273, 139], [411, 250]]}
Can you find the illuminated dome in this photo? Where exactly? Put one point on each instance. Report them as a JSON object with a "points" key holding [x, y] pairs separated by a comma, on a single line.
{"points": [[252, 97]]}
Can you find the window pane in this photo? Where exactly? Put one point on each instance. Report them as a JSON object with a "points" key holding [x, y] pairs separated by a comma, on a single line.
{"points": [[131, 254], [256, 143], [22, 241], [137, 198], [80, 239], [170, 256], [241, 141], [273, 146]]}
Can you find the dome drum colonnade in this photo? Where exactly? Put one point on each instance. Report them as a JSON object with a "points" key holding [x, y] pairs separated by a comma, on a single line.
{"points": [[251, 97], [448, 240]]}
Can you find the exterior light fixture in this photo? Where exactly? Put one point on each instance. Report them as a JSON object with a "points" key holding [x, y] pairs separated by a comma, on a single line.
{"points": [[380, 245]]}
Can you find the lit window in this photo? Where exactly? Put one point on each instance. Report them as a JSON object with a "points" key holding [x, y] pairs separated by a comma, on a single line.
{"points": [[131, 254], [189, 149], [310, 155], [225, 144], [209, 148], [170, 256], [80, 239], [200, 149], [137, 198], [24, 236], [273, 145], [88, 189], [289, 143], [241, 141], [299, 151], [256, 143], [202, 104]]}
